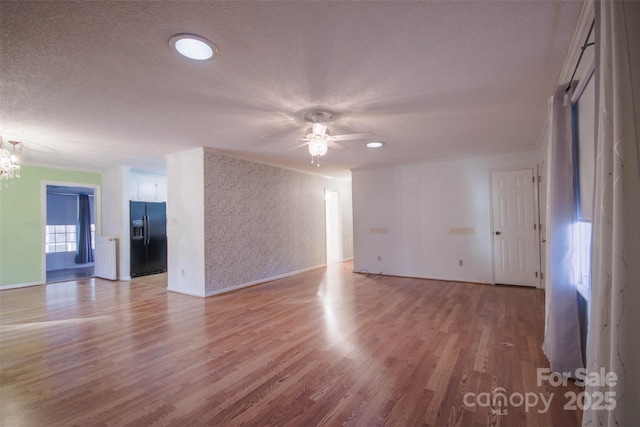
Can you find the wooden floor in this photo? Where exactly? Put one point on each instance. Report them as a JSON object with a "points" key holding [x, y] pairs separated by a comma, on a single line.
{"points": [[327, 347], [67, 274]]}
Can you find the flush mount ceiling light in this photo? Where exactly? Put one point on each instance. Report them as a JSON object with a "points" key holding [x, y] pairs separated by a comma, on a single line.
{"points": [[375, 144], [193, 46]]}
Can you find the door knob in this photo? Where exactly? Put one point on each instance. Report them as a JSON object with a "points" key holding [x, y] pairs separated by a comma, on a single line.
{"points": [[498, 233]]}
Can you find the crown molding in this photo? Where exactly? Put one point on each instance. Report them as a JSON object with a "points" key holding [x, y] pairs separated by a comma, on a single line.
{"points": [[584, 24]]}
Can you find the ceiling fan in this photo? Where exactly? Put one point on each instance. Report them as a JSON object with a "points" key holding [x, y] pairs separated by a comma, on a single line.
{"points": [[318, 138]]}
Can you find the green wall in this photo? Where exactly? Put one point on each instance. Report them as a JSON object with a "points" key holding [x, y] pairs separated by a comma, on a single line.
{"points": [[21, 223]]}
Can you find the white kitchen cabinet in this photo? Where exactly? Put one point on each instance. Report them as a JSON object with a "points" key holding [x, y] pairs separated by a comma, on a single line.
{"points": [[147, 188]]}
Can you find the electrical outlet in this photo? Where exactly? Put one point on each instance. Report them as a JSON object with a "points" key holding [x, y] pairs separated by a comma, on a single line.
{"points": [[379, 258], [460, 263]]}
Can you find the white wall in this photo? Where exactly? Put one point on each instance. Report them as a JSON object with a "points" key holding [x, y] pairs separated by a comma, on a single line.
{"points": [[115, 215], [346, 211], [185, 225], [404, 214]]}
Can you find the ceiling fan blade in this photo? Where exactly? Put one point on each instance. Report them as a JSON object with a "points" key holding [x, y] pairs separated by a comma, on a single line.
{"points": [[348, 136], [297, 146], [279, 143], [288, 138], [337, 146]]}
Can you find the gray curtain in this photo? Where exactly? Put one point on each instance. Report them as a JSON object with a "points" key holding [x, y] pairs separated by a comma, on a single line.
{"points": [[84, 253], [562, 325]]}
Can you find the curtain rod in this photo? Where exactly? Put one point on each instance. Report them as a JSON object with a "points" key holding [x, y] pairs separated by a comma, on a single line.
{"points": [[585, 45], [66, 194]]}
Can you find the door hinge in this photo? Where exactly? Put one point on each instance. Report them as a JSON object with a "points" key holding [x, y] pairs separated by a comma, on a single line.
{"points": [[539, 178], [535, 227], [536, 274], [541, 275], [533, 178]]}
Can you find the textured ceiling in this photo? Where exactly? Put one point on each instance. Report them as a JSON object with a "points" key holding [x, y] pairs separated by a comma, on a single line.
{"points": [[93, 85]]}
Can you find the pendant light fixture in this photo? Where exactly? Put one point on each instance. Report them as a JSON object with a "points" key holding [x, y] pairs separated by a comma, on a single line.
{"points": [[9, 167]]}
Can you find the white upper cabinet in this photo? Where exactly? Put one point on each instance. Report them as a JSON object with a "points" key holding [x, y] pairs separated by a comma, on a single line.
{"points": [[147, 188]]}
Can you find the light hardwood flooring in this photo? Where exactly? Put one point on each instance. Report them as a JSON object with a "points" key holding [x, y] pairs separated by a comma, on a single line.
{"points": [[327, 347], [67, 274]]}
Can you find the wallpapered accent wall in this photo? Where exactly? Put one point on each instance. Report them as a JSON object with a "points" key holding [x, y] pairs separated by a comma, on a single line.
{"points": [[262, 221]]}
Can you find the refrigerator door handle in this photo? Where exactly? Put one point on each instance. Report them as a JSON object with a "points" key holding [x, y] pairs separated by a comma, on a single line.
{"points": [[146, 229]]}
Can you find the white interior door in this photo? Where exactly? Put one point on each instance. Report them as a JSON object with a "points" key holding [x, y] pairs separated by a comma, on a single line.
{"points": [[542, 220], [514, 247], [333, 232]]}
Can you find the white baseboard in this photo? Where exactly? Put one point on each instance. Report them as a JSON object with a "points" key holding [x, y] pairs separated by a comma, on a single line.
{"points": [[257, 282], [434, 278], [186, 293], [21, 285]]}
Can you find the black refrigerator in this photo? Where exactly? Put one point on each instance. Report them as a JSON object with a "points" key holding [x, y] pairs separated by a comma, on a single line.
{"points": [[148, 235]]}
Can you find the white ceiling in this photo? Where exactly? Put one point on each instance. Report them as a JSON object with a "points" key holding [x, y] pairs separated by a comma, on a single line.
{"points": [[93, 85]]}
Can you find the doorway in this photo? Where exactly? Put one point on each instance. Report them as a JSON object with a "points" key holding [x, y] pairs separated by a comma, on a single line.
{"points": [[515, 254], [333, 228], [69, 232]]}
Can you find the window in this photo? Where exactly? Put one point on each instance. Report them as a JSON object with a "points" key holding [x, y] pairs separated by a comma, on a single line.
{"points": [[584, 142], [582, 256], [61, 238]]}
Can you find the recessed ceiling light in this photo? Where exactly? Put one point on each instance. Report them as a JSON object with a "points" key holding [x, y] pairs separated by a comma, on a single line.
{"points": [[375, 144], [193, 46]]}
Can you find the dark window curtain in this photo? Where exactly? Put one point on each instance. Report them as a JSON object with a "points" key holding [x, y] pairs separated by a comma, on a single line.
{"points": [[84, 253]]}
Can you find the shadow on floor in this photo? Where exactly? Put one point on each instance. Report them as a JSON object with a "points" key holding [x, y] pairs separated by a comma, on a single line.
{"points": [[69, 274]]}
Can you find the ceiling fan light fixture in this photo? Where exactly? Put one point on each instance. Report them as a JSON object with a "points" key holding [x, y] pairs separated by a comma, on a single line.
{"points": [[193, 46], [375, 144], [319, 129], [317, 115], [318, 147]]}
